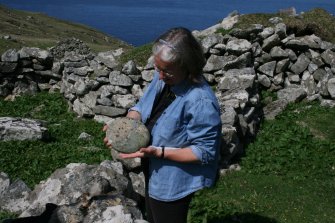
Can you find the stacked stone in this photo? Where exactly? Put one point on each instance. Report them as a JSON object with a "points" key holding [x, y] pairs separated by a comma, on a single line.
{"points": [[27, 71], [244, 62], [80, 192], [239, 65]]}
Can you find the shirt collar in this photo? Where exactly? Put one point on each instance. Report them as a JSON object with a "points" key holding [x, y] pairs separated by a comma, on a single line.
{"points": [[182, 88]]}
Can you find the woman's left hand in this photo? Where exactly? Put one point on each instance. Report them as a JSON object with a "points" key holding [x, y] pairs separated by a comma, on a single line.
{"points": [[143, 152]]}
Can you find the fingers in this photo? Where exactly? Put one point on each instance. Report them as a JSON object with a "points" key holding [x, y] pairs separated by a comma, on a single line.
{"points": [[105, 128], [107, 143], [137, 154], [134, 115]]}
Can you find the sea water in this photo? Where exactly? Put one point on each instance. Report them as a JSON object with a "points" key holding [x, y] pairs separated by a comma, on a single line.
{"points": [[141, 21]]}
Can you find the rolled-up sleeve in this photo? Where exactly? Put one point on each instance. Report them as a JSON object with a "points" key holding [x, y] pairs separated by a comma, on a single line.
{"points": [[204, 130]]}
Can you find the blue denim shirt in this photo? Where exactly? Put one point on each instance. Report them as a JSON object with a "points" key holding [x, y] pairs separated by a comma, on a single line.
{"points": [[192, 120]]}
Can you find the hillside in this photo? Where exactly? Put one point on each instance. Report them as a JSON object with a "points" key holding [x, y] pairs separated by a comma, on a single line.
{"points": [[22, 28]]}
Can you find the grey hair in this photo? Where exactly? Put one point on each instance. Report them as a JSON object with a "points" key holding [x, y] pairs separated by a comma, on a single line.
{"points": [[179, 46]]}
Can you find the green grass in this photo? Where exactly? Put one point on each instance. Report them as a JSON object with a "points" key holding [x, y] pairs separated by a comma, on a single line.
{"points": [[33, 161], [39, 30], [315, 21], [139, 54], [287, 174]]}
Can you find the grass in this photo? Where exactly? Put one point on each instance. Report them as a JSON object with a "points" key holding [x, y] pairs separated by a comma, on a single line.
{"points": [[287, 174], [33, 161], [39, 30], [315, 21]]}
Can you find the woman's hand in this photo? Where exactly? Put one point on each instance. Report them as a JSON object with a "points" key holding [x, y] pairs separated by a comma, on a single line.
{"points": [[106, 141], [134, 115], [143, 152]]}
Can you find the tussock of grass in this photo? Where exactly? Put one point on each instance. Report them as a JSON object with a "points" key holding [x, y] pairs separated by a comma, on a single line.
{"points": [[139, 54], [317, 21]]}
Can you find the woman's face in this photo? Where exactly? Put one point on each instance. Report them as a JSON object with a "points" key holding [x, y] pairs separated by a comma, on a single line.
{"points": [[170, 73]]}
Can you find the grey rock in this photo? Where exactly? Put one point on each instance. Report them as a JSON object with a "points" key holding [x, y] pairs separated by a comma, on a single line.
{"points": [[297, 44], [293, 78], [320, 74], [331, 87], [264, 80], [43, 56], [274, 108], [275, 20], [271, 42], [127, 135], [268, 31], [237, 78], [211, 40], [124, 101], [7, 67], [109, 111], [328, 57], [137, 91], [228, 116], [282, 65], [117, 78], [278, 53], [280, 30], [130, 68], [13, 195], [291, 55], [308, 83], [19, 129], [109, 90], [90, 99], [322, 87], [48, 74], [268, 68], [10, 55], [104, 101], [81, 87], [81, 109], [138, 184], [85, 136], [240, 62], [107, 58], [292, 94], [148, 75], [327, 103], [214, 63], [70, 185], [238, 46], [210, 78], [301, 64], [76, 64]]}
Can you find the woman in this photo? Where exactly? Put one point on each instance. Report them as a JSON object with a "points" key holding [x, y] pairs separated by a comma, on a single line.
{"points": [[182, 114]]}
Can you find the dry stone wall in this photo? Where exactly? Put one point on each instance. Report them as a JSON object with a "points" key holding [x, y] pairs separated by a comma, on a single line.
{"points": [[239, 65]]}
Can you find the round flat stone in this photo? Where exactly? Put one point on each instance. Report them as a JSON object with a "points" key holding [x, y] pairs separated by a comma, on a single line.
{"points": [[127, 135]]}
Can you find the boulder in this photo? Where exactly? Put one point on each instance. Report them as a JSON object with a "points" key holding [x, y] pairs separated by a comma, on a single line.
{"points": [[127, 135], [19, 129]]}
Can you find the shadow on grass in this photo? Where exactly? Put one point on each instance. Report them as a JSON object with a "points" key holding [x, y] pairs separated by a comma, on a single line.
{"points": [[243, 218]]}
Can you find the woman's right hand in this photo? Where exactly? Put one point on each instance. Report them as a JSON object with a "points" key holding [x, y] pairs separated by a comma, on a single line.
{"points": [[134, 115]]}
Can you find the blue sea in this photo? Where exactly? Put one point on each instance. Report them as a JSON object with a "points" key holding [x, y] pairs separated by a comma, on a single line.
{"points": [[141, 21]]}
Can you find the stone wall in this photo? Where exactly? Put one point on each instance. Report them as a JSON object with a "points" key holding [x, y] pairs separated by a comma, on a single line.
{"points": [[239, 66]]}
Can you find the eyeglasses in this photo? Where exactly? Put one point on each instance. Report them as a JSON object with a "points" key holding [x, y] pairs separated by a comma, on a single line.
{"points": [[166, 74]]}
